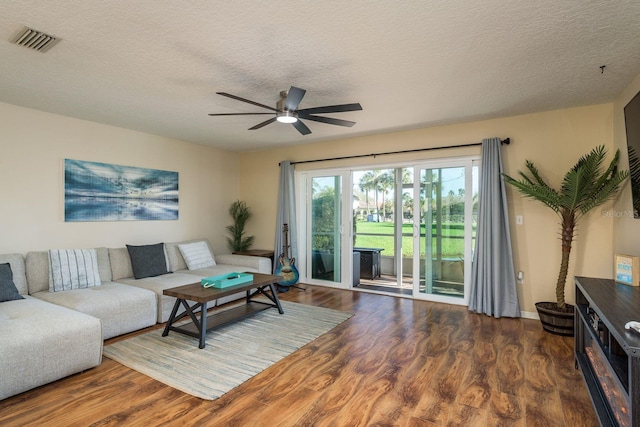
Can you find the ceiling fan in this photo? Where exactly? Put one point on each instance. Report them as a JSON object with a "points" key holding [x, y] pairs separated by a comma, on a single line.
{"points": [[287, 111]]}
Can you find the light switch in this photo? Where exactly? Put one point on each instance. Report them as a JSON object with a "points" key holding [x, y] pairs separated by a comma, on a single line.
{"points": [[519, 220]]}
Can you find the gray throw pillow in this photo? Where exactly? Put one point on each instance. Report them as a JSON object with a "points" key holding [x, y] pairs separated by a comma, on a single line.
{"points": [[147, 260], [8, 290]]}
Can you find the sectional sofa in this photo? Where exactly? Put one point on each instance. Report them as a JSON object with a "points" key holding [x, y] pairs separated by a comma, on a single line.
{"points": [[51, 333]]}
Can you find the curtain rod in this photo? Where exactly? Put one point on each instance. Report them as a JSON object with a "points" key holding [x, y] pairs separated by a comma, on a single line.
{"points": [[505, 141]]}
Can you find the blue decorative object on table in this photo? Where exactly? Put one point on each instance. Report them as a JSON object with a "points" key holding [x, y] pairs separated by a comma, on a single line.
{"points": [[226, 280]]}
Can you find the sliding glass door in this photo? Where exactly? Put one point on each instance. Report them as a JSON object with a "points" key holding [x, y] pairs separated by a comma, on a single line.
{"points": [[403, 229], [325, 238], [444, 197]]}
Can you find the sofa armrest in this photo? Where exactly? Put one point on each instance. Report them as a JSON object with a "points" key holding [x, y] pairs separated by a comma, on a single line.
{"points": [[263, 265]]}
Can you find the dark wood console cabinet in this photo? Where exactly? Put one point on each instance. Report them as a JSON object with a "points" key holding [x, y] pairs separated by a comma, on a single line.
{"points": [[608, 354]]}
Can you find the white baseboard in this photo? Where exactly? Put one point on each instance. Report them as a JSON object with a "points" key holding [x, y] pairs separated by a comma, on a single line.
{"points": [[530, 315]]}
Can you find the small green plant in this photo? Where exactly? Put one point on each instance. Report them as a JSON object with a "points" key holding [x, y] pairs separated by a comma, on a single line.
{"points": [[240, 213]]}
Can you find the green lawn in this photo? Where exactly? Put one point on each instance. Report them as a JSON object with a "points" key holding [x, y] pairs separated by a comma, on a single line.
{"points": [[452, 238]]}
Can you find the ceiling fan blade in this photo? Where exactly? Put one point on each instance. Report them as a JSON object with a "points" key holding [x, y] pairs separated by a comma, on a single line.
{"points": [[329, 120], [294, 97], [302, 128], [236, 114], [266, 122], [228, 95], [332, 109]]}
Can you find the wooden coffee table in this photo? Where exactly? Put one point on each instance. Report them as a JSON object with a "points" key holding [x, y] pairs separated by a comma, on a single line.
{"points": [[262, 284]]}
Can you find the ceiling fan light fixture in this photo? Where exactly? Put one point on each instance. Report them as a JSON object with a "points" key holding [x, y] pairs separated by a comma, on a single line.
{"points": [[287, 111], [287, 117]]}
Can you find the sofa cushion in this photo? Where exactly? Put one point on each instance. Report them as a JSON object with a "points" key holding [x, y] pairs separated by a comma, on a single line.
{"points": [[37, 269], [160, 283], [121, 308], [8, 290], [16, 261], [148, 260], [73, 269], [42, 342], [197, 255], [174, 257], [104, 265], [120, 264], [246, 263]]}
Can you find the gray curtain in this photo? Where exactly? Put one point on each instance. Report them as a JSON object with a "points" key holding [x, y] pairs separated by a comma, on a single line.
{"points": [[493, 281], [286, 213]]}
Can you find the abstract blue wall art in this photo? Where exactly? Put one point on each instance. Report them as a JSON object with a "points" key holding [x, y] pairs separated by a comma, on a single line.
{"points": [[104, 192]]}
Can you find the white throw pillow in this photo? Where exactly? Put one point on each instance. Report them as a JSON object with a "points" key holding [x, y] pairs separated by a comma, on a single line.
{"points": [[197, 255], [73, 269]]}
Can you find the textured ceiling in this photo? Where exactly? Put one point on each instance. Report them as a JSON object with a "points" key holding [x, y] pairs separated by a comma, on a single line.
{"points": [[155, 65]]}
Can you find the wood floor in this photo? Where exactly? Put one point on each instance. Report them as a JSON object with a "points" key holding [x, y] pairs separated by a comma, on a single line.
{"points": [[396, 362]]}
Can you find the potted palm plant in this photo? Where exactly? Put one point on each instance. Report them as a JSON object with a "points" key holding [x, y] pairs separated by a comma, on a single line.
{"points": [[585, 186], [240, 214]]}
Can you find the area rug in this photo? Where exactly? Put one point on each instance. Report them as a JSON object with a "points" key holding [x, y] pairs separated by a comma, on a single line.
{"points": [[233, 353]]}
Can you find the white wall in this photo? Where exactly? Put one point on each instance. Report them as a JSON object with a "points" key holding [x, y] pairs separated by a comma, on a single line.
{"points": [[33, 146]]}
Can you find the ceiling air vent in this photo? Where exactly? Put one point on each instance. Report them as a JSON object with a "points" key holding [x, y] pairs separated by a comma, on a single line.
{"points": [[35, 40]]}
